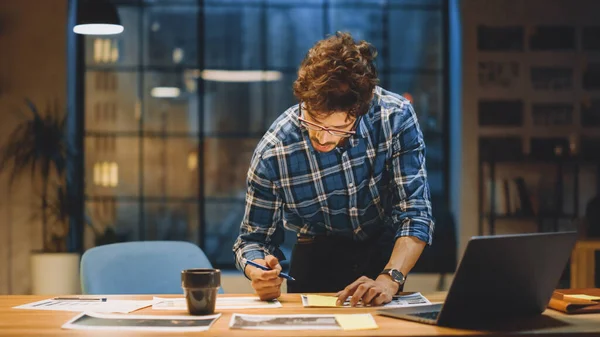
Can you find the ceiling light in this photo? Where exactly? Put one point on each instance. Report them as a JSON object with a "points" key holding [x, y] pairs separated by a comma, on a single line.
{"points": [[97, 17], [165, 92], [239, 75]]}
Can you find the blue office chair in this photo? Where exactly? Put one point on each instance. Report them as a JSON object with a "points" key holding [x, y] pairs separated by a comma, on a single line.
{"points": [[142, 267]]}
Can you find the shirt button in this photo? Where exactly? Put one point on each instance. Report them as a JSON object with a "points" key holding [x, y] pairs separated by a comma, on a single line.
{"points": [[350, 184], [353, 209]]}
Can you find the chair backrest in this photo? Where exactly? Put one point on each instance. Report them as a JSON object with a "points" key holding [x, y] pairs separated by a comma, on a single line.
{"points": [[140, 267]]}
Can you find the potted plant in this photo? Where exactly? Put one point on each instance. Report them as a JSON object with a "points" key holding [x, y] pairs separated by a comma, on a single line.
{"points": [[37, 147]]}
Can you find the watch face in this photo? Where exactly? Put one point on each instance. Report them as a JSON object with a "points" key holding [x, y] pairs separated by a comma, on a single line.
{"points": [[397, 276]]}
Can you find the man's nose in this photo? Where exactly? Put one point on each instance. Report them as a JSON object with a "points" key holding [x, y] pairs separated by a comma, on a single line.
{"points": [[324, 137]]}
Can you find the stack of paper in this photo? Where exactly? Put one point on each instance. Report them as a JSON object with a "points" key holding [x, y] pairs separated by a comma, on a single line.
{"points": [[117, 306], [320, 301], [583, 297]]}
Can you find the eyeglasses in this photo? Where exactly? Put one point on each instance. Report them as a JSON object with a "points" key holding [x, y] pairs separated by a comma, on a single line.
{"points": [[331, 131]]}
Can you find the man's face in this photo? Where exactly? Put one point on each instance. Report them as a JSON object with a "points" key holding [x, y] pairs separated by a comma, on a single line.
{"points": [[324, 141]]}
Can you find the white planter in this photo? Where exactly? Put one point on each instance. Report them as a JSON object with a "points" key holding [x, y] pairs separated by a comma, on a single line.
{"points": [[55, 273]]}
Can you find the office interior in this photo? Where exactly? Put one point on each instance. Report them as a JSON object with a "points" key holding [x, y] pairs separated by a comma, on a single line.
{"points": [[164, 117]]}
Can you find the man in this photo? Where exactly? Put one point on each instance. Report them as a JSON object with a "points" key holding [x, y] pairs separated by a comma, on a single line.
{"points": [[345, 170]]}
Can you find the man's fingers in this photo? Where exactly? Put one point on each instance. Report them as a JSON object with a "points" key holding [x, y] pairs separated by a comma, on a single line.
{"points": [[383, 298], [268, 290], [279, 281], [349, 290], [272, 262], [359, 293], [343, 295], [372, 293], [269, 275], [269, 295], [266, 283], [263, 275], [261, 284]]}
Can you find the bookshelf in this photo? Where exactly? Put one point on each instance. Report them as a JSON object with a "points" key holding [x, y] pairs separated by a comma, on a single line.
{"points": [[524, 203], [538, 119]]}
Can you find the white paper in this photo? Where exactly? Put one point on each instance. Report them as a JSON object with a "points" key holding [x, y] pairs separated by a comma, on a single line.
{"points": [[410, 300], [223, 303], [116, 306], [284, 322], [97, 321], [399, 301]]}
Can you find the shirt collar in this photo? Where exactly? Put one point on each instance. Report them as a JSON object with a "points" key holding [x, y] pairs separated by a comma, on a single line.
{"points": [[362, 130]]}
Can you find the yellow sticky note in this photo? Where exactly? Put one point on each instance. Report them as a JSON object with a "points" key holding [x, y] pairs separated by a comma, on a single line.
{"points": [[356, 321], [321, 301], [583, 297]]}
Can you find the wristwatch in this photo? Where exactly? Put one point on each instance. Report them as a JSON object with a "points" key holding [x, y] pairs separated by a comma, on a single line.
{"points": [[396, 276]]}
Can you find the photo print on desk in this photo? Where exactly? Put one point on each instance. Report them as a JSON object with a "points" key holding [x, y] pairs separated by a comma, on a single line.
{"points": [[303, 322], [96, 321]]}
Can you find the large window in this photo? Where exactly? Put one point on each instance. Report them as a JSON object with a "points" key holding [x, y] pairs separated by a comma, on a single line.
{"points": [[176, 104]]}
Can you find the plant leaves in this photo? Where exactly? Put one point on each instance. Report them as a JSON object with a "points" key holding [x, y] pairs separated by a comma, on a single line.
{"points": [[37, 146]]}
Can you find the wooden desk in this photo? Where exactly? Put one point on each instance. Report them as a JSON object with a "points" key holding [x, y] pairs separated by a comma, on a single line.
{"points": [[19, 322], [583, 263]]}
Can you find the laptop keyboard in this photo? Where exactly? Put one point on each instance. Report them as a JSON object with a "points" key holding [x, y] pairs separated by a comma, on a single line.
{"points": [[427, 315]]}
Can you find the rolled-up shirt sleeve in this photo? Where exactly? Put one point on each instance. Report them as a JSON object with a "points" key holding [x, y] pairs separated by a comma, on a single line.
{"points": [[261, 231], [411, 208]]}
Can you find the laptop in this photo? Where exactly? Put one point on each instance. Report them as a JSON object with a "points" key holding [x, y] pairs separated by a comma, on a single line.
{"points": [[500, 277]]}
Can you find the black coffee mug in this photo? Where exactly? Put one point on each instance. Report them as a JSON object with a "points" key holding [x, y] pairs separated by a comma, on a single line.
{"points": [[200, 287]]}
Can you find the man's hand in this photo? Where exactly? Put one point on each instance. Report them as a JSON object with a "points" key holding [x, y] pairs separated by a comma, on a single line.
{"points": [[267, 284], [371, 292]]}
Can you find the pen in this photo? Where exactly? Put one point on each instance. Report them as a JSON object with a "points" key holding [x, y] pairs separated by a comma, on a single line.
{"points": [[94, 299], [284, 275]]}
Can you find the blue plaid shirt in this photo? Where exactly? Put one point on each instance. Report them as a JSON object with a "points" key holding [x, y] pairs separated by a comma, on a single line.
{"points": [[377, 178]]}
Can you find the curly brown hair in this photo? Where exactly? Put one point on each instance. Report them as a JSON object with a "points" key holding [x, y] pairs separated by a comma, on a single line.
{"points": [[337, 74]]}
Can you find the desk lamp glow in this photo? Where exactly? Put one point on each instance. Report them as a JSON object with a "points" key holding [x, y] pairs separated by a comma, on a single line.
{"points": [[97, 17]]}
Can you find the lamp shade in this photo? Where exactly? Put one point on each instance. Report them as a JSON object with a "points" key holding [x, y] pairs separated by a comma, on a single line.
{"points": [[97, 17]]}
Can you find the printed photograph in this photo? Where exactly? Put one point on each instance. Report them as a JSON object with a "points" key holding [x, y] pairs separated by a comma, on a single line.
{"points": [[92, 321], [289, 322]]}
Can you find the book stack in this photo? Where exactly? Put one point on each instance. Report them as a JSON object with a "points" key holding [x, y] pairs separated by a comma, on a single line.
{"points": [[576, 301], [511, 197]]}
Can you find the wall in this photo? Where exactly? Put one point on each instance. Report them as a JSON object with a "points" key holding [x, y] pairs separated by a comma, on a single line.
{"points": [[519, 13], [32, 65]]}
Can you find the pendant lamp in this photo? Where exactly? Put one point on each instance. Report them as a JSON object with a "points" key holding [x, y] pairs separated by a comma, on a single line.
{"points": [[97, 17]]}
